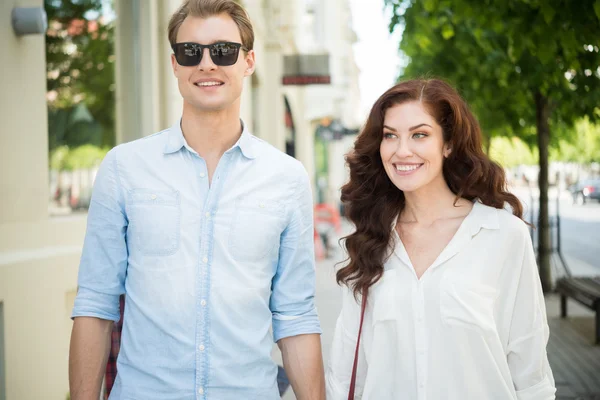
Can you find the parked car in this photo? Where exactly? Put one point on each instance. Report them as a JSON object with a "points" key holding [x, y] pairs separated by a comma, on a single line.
{"points": [[585, 190]]}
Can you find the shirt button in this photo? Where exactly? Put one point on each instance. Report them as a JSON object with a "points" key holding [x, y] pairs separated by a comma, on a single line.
{"points": [[203, 303], [201, 390], [207, 215], [202, 174], [153, 197], [205, 260], [201, 347]]}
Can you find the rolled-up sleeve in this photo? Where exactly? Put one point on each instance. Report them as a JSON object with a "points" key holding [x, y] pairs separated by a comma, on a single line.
{"points": [[104, 258], [529, 332], [293, 287]]}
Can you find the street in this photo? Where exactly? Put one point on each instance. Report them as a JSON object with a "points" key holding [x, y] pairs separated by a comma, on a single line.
{"points": [[580, 230], [581, 236]]}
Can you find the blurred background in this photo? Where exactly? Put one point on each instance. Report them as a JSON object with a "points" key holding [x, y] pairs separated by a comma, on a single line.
{"points": [[80, 76]]}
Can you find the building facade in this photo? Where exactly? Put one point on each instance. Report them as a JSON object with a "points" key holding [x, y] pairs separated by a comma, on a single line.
{"points": [[39, 252]]}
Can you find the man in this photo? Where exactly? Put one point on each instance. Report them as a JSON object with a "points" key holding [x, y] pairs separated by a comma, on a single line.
{"points": [[208, 232], [115, 344]]}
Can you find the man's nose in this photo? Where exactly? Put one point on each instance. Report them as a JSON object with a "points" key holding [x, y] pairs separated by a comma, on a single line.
{"points": [[206, 63]]}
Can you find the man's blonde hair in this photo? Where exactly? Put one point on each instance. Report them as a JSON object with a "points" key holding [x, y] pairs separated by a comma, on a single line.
{"points": [[209, 8]]}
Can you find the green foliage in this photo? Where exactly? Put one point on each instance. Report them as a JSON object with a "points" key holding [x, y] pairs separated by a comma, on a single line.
{"points": [[83, 157], [80, 74], [57, 157], [73, 126], [512, 152], [581, 146], [518, 63], [501, 53], [321, 156]]}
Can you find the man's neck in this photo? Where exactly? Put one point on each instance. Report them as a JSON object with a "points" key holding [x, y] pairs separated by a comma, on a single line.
{"points": [[211, 134]]}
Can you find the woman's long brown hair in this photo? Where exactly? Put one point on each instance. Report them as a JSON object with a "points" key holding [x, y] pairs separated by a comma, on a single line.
{"points": [[372, 202]]}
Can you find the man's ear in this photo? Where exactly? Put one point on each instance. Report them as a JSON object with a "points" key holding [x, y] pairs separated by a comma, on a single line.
{"points": [[174, 64], [250, 63]]}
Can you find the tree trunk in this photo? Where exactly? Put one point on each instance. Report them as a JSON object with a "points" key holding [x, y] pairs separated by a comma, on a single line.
{"points": [[544, 243]]}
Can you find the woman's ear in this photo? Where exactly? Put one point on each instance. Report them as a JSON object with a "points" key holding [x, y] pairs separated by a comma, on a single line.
{"points": [[447, 151]]}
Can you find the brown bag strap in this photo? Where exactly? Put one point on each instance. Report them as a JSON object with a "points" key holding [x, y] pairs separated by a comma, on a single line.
{"points": [[354, 367]]}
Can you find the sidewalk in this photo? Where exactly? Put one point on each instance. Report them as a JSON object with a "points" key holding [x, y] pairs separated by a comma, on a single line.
{"points": [[574, 358]]}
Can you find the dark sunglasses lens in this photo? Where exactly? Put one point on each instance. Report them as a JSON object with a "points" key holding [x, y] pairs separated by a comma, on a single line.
{"points": [[224, 54], [187, 54]]}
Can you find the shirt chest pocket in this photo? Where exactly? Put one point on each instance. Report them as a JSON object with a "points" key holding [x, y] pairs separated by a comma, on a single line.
{"points": [[384, 299], [385, 322], [468, 305], [154, 221], [255, 229]]}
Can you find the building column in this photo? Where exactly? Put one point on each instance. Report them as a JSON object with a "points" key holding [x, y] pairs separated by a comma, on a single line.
{"points": [[126, 60], [139, 68], [171, 103], [338, 172], [305, 136], [271, 115], [24, 133]]}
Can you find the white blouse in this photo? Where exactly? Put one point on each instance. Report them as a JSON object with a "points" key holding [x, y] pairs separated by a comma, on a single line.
{"points": [[473, 327]]}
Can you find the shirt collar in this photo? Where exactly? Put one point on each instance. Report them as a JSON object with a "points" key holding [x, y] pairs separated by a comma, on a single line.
{"points": [[175, 141], [482, 217], [246, 143]]}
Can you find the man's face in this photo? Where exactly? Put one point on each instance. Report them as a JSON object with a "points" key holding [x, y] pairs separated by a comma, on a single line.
{"points": [[207, 87]]}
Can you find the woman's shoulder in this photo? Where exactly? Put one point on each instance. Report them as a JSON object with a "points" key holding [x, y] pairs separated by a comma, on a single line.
{"points": [[505, 221]]}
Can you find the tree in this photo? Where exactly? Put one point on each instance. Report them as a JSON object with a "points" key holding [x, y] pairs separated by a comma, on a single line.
{"points": [[511, 152], [80, 74], [582, 147], [519, 63]]}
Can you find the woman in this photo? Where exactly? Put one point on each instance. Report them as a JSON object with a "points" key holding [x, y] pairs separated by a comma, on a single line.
{"points": [[454, 306]]}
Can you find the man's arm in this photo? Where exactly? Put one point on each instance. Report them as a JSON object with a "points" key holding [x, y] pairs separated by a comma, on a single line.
{"points": [[303, 363], [101, 281], [88, 354], [296, 326]]}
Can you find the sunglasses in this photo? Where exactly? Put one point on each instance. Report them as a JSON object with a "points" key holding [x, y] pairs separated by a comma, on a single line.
{"points": [[221, 53]]}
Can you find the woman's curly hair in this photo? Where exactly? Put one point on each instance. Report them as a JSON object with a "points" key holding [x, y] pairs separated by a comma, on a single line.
{"points": [[372, 202]]}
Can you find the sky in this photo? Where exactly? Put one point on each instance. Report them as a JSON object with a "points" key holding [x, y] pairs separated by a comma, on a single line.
{"points": [[376, 51]]}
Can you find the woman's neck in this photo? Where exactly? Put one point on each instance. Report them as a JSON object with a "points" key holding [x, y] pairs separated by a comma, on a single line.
{"points": [[432, 203]]}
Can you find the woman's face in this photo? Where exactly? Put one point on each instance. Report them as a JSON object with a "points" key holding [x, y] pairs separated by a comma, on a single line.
{"points": [[412, 147]]}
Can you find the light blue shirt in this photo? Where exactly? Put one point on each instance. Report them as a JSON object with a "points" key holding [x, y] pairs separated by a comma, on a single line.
{"points": [[207, 270]]}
